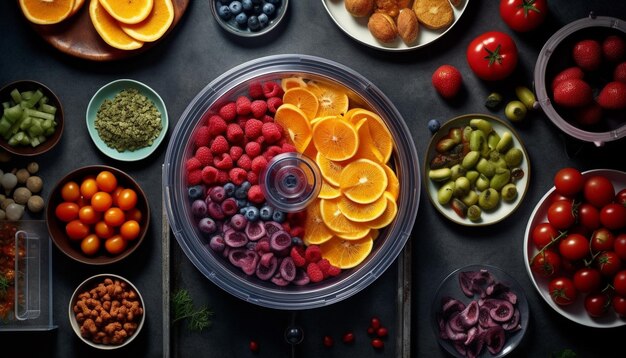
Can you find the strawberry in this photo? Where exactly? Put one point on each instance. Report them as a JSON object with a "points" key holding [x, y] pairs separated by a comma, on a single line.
{"points": [[619, 73], [613, 48], [587, 54], [568, 74], [572, 93], [447, 81], [588, 115], [613, 96]]}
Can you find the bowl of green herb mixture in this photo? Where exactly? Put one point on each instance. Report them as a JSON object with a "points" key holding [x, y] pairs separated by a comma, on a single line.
{"points": [[127, 120]]}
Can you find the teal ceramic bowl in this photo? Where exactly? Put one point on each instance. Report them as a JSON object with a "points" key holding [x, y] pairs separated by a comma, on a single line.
{"points": [[109, 91]]}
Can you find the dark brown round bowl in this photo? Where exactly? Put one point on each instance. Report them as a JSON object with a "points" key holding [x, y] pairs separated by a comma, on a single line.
{"points": [[56, 227], [50, 142]]}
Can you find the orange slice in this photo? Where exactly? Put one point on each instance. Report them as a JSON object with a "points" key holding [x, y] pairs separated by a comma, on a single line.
{"points": [[388, 215], [303, 99], [316, 232], [362, 212], [78, 4], [292, 82], [363, 181], [109, 29], [336, 139], [128, 11], [46, 12], [332, 100], [374, 134], [393, 184], [295, 124], [346, 254], [336, 220], [367, 149], [155, 25], [331, 171], [355, 235], [328, 191]]}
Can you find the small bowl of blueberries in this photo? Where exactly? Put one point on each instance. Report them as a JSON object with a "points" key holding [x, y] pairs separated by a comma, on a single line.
{"points": [[248, 18]]}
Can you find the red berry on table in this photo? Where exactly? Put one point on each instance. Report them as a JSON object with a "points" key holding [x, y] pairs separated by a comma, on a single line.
{"points": [[378, 343], [348, 337], [614, 48], [613, 96], [328, 341], [573, 93], [587, 54], [375, 323], [447, 80], [382, 332], [567, 74], [254, 346], [619, 73]]}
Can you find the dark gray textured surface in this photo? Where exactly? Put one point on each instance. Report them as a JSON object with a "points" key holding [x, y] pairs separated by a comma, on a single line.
{"points": [[198, 51]]}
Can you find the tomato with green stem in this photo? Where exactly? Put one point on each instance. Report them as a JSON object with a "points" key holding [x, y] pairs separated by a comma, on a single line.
{"points": [[603, 240], [546, 263], [574, 247], [608, 262], [492, 56], [562, 291], [597, 304], [543, 234], [561, 214], [523, 15]]}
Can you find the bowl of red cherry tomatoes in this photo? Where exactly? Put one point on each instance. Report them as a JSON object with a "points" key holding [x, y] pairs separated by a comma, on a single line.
{"points": [[97, 215]]}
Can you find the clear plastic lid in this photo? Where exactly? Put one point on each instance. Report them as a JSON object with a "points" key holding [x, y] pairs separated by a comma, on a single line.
{"points": [[216, 268]]}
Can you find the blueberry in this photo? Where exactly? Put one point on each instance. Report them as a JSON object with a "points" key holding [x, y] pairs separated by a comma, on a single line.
{"points": [[266, 213], [433, 125], [242, 20], [268, 9], [224, 12], [263, 20], [247, 5], [241, 193], [252, 213], [241, 203], [195, 192], [297, 241], [246, 185], [229, 188], [235, 7], [278, 216]]}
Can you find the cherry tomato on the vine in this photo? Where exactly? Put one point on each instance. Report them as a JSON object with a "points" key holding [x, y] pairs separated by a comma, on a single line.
{"points": [[561, 214], [588, 216], [546, 263], [562, 291], [492, 56], [620, 197], [613, 216], [619, 283], [568, 182], [523, 15], [599, 191], [619, 305], [619, 246], [543, 234], [587, 279], [608, 262], [597, 304], [574, 247], [602, 240]]}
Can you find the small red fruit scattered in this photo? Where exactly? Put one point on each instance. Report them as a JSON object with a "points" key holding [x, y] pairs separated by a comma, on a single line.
{"points": [[447, 80], [382, 332], [348, 337], [254, 346], [587, 54], [613, 48], [378, 343], [613, 96], [573, 93], [328, 341]]}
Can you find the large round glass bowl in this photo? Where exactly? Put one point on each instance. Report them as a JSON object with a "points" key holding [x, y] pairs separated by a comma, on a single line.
{"points": [[391, 238]]}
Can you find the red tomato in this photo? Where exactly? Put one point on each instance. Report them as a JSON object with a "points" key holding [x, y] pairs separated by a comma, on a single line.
{"points": [[588, 216], [492, 56], [574, 247], [568, 182], [523, 15], [613, 216], [543, 234], [602, 240], [70, 191], [562, 291], [620, 197], [561, 214], [127, 199], [106, 181], [597, 304], [608, 262], [587, 279], [115, 245], [546, 263], [88, 188], [619, 283], [598, 191], [619, 305], [76, 230], [66, 211], [90, 245], [619, 246]]}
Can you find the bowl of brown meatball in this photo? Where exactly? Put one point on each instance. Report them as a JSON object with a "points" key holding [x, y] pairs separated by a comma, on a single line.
{"points": [[107, 311]]}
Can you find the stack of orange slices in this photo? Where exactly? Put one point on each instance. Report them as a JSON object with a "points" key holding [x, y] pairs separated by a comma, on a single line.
{"points": [[352, 148]]}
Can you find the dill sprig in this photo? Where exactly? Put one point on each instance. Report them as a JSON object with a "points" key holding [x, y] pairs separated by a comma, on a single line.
{"points": [[199, 318]]}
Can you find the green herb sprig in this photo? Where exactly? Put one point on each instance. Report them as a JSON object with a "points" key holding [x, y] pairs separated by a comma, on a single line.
{"points": [[199, 318], [4, 285]]}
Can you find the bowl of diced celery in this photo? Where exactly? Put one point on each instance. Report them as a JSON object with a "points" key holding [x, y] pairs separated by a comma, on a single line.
{"points": [[32, 118]]}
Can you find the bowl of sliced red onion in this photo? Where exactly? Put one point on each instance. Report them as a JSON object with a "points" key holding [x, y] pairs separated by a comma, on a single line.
{"points": [[479, 311]]}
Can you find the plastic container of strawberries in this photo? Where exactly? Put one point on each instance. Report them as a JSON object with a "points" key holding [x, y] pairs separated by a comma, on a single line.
{"points": [[555, 56], [219, 270]]}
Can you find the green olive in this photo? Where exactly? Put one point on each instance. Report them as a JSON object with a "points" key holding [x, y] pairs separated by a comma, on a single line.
{"points": [[472, 175], [457, 171], [474, 212], [470, 198], [489, 199], [486, 167], [441, 174], [444, 194], [515, 111], [509, 192], [500, 179], [462, 186], [513, 157], [482, 183], [481, 124], [505, 143], [492, 140], [470, 159]]}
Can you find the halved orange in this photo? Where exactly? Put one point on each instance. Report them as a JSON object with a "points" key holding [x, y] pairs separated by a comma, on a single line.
{"points": [[46, 12], [336, 220], [362, 212], [332, 100], [363, 181], [346, 254], [108, 28], [303, 99], [388, 215], [335, 138], [315, 232], [328, 191], [292, 82], [128, 11], [331, 171], [393, 184], [295, 124], [155, 25]]}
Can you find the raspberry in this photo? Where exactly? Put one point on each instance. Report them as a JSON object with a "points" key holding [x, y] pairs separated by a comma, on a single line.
{"points": [[314, 272], [223, 161], [267, 119], [237, 175], [297, 254], [260, 139], [222, 177], [244, 162], [258, 164], [256, 90], [263, 245], [202, 136], [253, 128], [255, 195], [333, 271], [271, 151], [313, 253], [192, 164], [241, 121], [272, 89], [258, 107], [253, 178], [286, 226], [194, 177], [253, 149], [217, 125], [209, 175], [243, 105], [287, 148], [272, 132], [273, 103], [235, 152], [219, 145], [234, 133], [296, 231], [204, 156], [228, 111], [324, 266]]}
